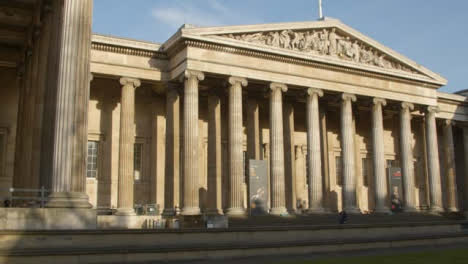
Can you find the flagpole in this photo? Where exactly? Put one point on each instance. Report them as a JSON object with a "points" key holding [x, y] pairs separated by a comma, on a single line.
{"points": [[320, 10]]}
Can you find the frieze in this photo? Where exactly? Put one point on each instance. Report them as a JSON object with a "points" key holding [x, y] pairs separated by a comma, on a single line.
{"points": [[323, 42]]}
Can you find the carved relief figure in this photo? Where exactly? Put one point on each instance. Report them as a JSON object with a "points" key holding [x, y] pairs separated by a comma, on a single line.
{"points": [[333, 38], [325, 43], [356, 51], [285, 39]]}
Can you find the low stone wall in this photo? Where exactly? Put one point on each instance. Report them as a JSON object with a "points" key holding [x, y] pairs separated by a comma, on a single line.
{"points": [[132, 221], [47, 218]]}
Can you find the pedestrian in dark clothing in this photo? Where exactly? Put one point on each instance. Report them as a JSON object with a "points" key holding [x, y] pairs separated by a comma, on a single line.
{"points": [[343, 217]]}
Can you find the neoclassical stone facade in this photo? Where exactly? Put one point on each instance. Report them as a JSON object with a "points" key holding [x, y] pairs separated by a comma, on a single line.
{"points": [[110, 123]]}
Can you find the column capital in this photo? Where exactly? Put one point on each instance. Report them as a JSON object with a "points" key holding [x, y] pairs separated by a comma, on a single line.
{"points": [[433, 109], [406, 105], [130, 81], [194, 74], [449, 122], [274, 86], [312, 91], [380, 101], [233, 80], [348, 96]]}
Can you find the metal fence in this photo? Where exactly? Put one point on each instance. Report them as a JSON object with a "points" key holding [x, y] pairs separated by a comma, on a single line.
{"points": [[33, 196]]}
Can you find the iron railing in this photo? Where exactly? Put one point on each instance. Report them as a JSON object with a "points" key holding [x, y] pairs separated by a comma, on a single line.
{"points": [[36, 195]]}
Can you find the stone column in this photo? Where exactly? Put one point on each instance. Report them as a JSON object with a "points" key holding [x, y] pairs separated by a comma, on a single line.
{"points": [[73, 76], [277, 149], [433, 160], [406, 156], [301, 191], [236, 165], [380, 176], [214, 155], [289, 165], [126, 146], [465, 153], [253, 129], [348, 154], [172, 173], [449, 151], [314, 151], [191, 180]]}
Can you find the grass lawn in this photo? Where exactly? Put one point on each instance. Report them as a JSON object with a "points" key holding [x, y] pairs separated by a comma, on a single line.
{"points": [[450, 256]]}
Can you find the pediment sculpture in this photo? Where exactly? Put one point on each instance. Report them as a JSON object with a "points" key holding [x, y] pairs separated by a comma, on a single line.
{"points": [[323, 42]]}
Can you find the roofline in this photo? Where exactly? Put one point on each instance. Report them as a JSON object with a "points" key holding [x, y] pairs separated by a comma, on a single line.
{"points": [[125, 42], [188, 31]]}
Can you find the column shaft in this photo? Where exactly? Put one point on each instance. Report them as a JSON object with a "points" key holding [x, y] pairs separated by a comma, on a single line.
{"points": [[236, 166], [433, 160], [191, 137], [289, 165], [277, 149], [126, 146], [465, 153], [214, 155], [68, 169], [172, 173], [253, 129], [406, 155], [449, 149], [380, 180], [314, 152], [348, 154]]}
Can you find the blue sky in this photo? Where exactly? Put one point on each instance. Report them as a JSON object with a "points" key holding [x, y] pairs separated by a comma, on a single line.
{"points": [[434, 33]]}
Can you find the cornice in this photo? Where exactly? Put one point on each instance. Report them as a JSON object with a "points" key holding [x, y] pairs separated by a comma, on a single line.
{"points": [[298, 61], [127, 47]]}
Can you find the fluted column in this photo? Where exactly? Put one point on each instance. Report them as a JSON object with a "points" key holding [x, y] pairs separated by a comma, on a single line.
{"points": [[380, 178], [406, 155], [126, 146], [236, 165], [191, 181], [278, 203], [449, 150], [214, 155], [289, 164], [72, 91], [348, 154], [314, 152], [253, 129], [465, 156], [172, 172], [433, 159]]}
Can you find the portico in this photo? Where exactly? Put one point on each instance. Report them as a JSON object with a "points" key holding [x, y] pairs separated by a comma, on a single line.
{"points": [[339, 119]]}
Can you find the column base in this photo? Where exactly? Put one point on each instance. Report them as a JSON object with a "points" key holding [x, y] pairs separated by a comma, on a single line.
{"points": [[170, 212], [382, 210], [435, 209], [125, 212], [214, 211], [452, 210], [319, 210], [68, 200], [410, 209], [352, 210], [235, 211], [190, 211], [278, 211]]}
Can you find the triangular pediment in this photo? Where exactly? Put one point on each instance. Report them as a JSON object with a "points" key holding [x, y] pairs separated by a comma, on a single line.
{"points": [[327, 41]]}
